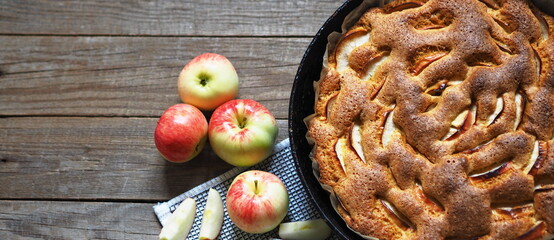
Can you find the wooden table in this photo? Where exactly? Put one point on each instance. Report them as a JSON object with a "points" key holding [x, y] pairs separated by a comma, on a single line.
{"points": [[83, 83]]}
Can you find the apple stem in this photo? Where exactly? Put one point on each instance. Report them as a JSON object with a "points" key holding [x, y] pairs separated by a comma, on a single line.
{"points": [[256, 190], [197, 147]]}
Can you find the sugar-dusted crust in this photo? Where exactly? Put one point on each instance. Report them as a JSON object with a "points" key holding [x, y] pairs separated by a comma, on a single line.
{"points": [[435, 120]]}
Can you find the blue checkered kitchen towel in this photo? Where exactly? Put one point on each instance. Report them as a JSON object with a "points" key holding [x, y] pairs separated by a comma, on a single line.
{"points": [[281, 164]]}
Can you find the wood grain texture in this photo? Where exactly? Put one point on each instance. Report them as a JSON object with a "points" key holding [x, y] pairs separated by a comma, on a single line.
{"points": [[76, 220], [168, 17], [97, 158], [82, 84], [133, 76]]}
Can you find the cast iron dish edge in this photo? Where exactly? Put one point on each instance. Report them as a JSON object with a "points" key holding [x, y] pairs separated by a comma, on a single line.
{"points": [[301, 105]]}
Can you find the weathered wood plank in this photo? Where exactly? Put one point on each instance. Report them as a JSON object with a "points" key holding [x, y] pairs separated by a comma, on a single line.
{"points": [[168, 17], [95, 158], [77, 220], [133, 76]]}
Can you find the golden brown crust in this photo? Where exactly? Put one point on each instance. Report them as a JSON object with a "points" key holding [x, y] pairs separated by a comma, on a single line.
{"points": [[435, 119]]}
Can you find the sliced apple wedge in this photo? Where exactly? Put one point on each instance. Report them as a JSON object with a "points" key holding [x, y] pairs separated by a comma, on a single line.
{"points": [[212, 219], [404, 6], [179, 223], [426, 61], [304, 230]]}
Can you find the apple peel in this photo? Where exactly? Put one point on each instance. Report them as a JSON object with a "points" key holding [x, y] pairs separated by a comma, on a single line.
{"points": [[305, 230]]}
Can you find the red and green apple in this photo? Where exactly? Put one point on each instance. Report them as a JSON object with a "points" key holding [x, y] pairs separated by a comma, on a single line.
{"points": [[257, 201], [242, 132], [181, 133], [208, 81]]}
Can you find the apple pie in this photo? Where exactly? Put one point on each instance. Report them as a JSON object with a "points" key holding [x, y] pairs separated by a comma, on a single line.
{"points": [[435, 120]]}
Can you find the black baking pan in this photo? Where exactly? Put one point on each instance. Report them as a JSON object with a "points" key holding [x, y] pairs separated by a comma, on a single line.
{"points": [[301, 105]]}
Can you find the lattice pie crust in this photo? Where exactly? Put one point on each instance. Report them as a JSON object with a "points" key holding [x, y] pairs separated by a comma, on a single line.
{"points": [[435, 120]]}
